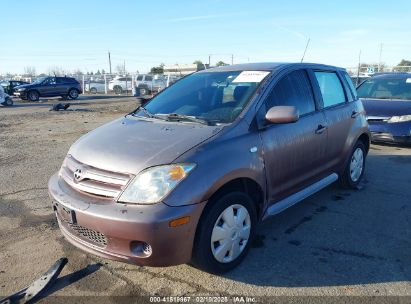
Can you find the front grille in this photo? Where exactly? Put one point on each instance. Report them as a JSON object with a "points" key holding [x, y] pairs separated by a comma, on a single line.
{"points": [[96, 237], [92, 180]]}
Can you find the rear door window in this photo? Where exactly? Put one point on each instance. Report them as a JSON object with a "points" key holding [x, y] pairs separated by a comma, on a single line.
{"points": [[293, 90], [331, 88]]}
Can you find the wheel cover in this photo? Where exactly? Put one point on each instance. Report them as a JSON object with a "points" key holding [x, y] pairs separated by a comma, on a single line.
{"points": [[357, 164], [230, 233]]}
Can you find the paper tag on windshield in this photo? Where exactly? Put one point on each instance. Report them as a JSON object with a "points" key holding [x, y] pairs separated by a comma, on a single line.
{"points": [[408, 80], [251, 76]]}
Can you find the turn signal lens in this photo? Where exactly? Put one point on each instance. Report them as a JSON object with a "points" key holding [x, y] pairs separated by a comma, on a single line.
{"points": [[177, 173], [180, 221]]}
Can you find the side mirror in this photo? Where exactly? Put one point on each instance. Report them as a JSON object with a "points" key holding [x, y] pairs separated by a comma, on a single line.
{"points": [[282, 114]]}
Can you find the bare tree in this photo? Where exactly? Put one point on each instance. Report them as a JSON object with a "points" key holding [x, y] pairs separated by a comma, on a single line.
{"points": [[55, 70], [78, 72], [30, 71], [120, 69]]}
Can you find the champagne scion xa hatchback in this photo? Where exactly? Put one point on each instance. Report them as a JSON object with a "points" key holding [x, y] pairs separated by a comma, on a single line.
{"points": [[187, 177]]}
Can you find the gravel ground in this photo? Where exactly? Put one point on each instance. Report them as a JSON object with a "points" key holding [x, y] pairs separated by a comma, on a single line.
{"points": [[336, 243]]}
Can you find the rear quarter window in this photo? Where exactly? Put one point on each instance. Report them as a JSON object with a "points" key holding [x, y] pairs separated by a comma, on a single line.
{"points": [[350, 83], [331, 88]]}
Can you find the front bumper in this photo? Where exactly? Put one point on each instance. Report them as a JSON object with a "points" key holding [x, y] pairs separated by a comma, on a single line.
{"points": [[108, 229], [382, 131], [20, 94]]}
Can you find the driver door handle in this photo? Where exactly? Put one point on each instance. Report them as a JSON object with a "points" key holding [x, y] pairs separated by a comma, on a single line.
{"points": [[354, 114], [320, 129]]}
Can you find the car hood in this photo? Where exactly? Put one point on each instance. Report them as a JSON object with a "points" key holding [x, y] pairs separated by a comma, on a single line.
{"points": [[24, 86], [131, 144], [386, 108]]}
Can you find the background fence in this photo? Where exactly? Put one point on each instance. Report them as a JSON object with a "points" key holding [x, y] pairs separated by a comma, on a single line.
{"points": [[145, 84]]}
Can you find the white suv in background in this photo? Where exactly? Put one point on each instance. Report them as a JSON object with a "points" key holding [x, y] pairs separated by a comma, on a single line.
{"points": [[148, 84], [120, 84]]}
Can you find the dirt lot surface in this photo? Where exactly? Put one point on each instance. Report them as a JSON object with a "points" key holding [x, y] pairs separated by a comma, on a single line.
{"points": [[334, 243]]}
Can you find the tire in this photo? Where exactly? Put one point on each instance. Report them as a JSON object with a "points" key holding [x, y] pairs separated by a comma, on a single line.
{"points": [[93, 90], [73, 94], [23, 98], [354, 171], [8, 102], [223, 255], [144, 90], [33, 95], [118, 90]]}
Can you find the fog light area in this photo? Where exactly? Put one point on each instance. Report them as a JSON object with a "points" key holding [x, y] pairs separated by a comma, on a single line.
{"points": [[140, 249]]}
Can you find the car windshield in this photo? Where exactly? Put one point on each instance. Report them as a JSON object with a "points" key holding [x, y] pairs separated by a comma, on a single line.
{"points": [[214, 97], [39, 80], [386, 88]]}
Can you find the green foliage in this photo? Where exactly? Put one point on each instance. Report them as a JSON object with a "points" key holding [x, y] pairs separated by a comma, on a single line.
{"points": [[157, 70], [404, 63], [221, 63]]}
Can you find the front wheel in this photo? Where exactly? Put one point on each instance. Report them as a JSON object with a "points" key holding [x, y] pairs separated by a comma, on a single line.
{"points": [[354, 170], [225, 233], [33, 95], [8, 102], [73, 94]]}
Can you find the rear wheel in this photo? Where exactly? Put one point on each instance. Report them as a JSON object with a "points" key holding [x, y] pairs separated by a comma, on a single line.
{"points": [[93, 90], [224, 233], [33, 96], [144, 91], [118, 90], [354, 170]]}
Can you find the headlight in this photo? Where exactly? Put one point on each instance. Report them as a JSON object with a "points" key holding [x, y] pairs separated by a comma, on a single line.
{"points": [[21, 89], [152, 185], [399, 119]]}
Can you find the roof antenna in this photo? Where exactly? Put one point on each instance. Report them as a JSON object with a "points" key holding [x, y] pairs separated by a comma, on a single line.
{"points": [[306, 47]]}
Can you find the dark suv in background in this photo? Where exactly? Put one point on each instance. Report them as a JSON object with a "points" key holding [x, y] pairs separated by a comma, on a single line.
{"points": [[50, 86]]}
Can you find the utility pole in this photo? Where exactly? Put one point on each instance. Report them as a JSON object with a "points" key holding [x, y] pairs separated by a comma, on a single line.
{"points": [[306, 47], [124, 67], [209, 60], [232, 59], [379, 61], [109, 61]]}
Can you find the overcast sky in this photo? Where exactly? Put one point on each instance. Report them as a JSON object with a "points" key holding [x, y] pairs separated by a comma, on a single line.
{"points": [[77, 34]]}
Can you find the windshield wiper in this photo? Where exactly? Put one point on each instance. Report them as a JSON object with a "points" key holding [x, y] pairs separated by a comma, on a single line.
{"points": [[150, 115], [182, 117], [145, 111]]}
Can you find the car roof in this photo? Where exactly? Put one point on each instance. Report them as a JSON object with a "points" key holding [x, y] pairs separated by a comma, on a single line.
{"points": [[392, 75], [268, 66]]}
